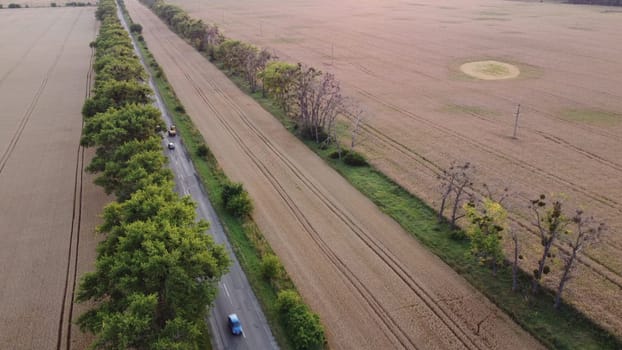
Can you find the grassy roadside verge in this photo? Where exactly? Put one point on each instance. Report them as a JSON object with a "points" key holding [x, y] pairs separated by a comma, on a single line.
{"points": [[245, 237], [567, 328]]}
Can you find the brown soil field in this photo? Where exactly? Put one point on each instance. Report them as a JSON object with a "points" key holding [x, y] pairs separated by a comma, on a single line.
{"points": [[48, 206], [401, 60], [372, 284]]}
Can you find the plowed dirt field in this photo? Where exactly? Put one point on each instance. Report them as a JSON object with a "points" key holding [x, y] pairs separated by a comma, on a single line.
{"points": [[373, 285], [401, 60], [48, 206]]}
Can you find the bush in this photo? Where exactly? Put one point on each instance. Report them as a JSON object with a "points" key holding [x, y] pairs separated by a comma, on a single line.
{"points": [[354, 159], [140, 38], [180, 109], [136, 28], [14, 6], [271, 267], [202, 150], [302, 325], [236, 200], [53, 4], [335, 154]]}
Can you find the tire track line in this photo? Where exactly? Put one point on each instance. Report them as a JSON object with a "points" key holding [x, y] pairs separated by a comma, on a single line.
{"points": [[21, 58], [609, 202], [595, 266], [77, 203]]}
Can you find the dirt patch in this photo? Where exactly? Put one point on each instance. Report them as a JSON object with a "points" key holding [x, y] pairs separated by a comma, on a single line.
{"points": [[490, 70]]}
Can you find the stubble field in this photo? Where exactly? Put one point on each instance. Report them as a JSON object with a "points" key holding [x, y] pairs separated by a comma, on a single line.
{"points": [[401, 60], [48, 206]]}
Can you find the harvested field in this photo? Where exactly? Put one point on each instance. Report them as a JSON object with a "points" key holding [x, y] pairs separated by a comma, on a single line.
{"points": [[401, 60], [349, 261], [48, 206]]}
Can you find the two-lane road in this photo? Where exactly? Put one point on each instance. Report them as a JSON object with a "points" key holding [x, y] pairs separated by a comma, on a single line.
{"points": [[235, 294]]}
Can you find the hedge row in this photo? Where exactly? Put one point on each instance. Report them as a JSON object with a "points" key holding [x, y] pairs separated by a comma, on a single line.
{"points": [[156, 269]]}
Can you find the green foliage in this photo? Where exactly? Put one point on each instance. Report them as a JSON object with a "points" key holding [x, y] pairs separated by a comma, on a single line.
{"points": [[271, 267], [354, 159], [136, 28], [14, 6], [202, 150], [278, 80], [486, 225], [303, 326], [236, 200]]}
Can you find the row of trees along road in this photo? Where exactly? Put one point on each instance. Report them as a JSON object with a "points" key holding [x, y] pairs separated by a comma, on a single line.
{"points": [[311, 98], [562, 235], [156, 269]]}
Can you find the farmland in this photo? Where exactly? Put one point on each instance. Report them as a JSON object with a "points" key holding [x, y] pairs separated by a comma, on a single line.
{"points": [[48, 205], [348, 260], [401, 60]]}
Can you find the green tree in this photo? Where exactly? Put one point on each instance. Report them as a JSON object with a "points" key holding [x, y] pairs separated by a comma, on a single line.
{"points": [[154, 246], [278, 80], [116, 94], [486, 225]]}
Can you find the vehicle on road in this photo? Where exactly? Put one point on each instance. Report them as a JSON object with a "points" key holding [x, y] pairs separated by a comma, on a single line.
{"points": [[171, 145], [234, 324], [172, 131]]}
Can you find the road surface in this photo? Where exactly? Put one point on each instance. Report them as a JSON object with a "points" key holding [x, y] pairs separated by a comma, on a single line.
{"points": [[235, 294]]}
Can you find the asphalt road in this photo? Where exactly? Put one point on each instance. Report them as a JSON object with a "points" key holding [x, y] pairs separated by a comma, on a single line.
{"points": [[234, 293]]}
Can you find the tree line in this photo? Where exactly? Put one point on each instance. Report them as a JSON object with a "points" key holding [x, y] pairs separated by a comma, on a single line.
{"points": [[312, 99], [487, 223], [156, 270]]}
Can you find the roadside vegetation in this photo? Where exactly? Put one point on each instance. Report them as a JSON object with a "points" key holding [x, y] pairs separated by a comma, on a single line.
{"points": [[293, 323], [308, 102], [156, 271]]}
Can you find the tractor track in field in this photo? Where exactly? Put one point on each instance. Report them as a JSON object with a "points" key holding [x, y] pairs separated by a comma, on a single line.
{"points": [[467, 338], [604, 200], [6, 155], [591, 263], [76, 221], [25, 54]]}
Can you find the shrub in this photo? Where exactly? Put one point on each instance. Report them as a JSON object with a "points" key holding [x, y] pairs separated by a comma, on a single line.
{"points": [[236, 200], [140, 38], [271, 267], [1, 6], [302, 325], [14, 6], [180, 109], [202, 150], [354, 159], [53, 4], [458, 235], [335, 154], [136, 28]]}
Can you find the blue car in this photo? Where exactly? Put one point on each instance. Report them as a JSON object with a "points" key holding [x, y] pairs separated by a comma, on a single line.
{"points": [[234, 324]]}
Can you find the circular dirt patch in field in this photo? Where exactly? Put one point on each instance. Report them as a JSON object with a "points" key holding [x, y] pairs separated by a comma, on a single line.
{"points": [[490, 70]]}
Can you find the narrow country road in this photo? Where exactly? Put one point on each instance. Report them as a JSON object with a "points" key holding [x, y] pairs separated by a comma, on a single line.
{"points": [[235, 294], [373, 285]]}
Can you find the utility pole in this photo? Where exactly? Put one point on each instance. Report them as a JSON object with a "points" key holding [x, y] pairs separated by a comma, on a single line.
{"points": [[516, 120]]}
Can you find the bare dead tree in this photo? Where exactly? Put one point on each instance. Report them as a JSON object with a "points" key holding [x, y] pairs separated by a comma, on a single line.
{"points": [[550, 223], [588, 232], [358, 118], [318, 100], [255, 61], [514, 236], [463, 180]]}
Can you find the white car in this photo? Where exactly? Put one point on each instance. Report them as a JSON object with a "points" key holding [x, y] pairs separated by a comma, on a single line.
{"points": [[171, 145]]}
